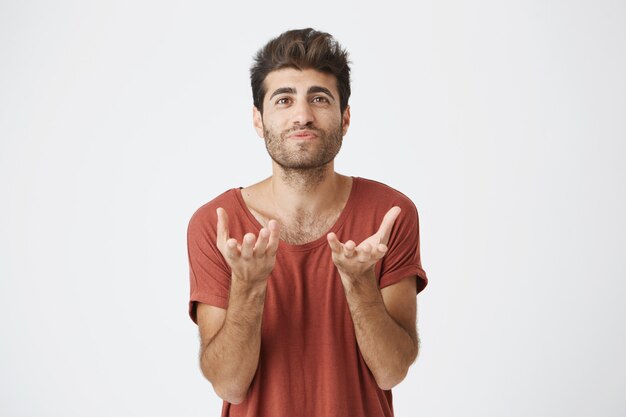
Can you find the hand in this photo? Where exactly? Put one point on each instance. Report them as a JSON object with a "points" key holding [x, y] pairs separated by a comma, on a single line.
{"points": [[354, 261], [253, 259]]}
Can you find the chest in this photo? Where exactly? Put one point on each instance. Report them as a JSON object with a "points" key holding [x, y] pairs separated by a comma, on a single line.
{"points": [[302, 228], [305, 230]]}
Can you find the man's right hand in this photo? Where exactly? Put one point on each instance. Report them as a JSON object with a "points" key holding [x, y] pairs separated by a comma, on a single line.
{"points": [[253, 259], [231, 338]]}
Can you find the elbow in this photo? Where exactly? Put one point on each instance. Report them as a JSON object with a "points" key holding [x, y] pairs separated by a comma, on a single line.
{"points": [[392, 375], [231, 395], [390, 379], [228, 390]]}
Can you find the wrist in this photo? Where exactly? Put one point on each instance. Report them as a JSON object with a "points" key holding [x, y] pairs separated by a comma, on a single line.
{"points": [[362, 289], [363, 295], [365, 278], [247, 287]]}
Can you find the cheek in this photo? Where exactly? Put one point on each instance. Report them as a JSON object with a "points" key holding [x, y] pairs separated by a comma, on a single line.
{"points": [[334, 119], [271, 119]]}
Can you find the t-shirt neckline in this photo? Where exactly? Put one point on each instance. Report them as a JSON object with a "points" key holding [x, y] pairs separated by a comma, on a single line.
{"points": [[317, 242]]}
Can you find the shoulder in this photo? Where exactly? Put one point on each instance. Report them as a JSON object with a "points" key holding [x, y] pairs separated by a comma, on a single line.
{"points": [[374, 192], [206, 213]]}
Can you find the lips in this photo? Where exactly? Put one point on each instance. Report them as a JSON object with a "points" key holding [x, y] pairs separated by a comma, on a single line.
{"points": [[302, 134]]}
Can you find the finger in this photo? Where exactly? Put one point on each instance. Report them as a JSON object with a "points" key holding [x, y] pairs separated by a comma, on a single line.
{"points": [[384, 231], [364, 252], [274, 239], [261, 243], [222, 226], [247, 246], [232, 251], [335, 244], [348, 249], [379, 251]]}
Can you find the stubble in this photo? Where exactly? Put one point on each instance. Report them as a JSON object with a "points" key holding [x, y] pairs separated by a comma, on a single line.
{"points": [[304, 163]]}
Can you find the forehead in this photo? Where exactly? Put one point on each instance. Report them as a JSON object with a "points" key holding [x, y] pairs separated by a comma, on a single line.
{"points": [[300, 80]]}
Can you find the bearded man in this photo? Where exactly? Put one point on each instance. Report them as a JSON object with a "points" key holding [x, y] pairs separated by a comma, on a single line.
{"points": [[304, 284]]}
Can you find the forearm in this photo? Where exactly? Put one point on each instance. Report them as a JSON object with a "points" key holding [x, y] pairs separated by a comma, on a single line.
{"points": [[230, 359], [387, 348]]}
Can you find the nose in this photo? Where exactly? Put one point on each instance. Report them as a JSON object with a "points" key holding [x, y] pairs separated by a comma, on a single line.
{"points": [[303, 113]]}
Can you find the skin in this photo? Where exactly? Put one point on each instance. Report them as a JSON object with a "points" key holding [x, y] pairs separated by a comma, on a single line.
{"points": [[303, 127]]}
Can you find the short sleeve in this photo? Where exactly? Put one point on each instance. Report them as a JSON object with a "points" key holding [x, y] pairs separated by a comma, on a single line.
{"points": [[403, 257], [209, 274]]}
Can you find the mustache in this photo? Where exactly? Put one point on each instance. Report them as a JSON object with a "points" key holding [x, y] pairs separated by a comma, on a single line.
{"points": [[300, 128]]}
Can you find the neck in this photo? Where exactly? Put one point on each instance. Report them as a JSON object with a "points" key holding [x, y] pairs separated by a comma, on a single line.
{"points": [[310, 191], [301, 181]]}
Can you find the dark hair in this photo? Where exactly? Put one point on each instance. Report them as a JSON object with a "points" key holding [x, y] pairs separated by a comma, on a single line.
{"points": [[301, 49]]}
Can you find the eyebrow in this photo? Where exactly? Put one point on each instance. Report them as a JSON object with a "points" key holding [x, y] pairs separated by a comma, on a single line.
{"points": [[312, 90], [318, 89], [283, 90]]}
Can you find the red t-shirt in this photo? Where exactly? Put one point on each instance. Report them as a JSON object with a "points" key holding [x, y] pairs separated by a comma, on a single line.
{"points": [[310, 364]]}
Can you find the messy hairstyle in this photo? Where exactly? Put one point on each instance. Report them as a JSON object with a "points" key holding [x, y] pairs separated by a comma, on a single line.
{"points": [[301, 49]]}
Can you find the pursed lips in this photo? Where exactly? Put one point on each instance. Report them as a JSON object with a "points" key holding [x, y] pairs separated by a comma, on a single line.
{"points": [[302, 134]]}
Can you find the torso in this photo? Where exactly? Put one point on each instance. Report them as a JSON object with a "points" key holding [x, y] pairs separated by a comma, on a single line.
{"points": [[309, 361]]}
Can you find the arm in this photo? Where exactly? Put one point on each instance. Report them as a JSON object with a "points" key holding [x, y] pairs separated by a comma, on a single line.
{"points": [[231, 341], [231, 338], [384, 320], [384, 323]]}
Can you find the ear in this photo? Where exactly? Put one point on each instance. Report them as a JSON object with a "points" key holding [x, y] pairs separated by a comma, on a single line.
{"points": [[257, 121], [346, 120]]}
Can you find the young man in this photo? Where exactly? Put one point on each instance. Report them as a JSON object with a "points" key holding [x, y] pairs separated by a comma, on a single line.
{"points": [[304, 285]]}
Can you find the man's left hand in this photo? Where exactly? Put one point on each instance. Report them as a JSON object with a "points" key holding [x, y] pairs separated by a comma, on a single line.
{"points": [[354, 261]]}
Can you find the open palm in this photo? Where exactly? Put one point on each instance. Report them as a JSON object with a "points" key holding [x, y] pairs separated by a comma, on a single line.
{"points": [[353, 260]]}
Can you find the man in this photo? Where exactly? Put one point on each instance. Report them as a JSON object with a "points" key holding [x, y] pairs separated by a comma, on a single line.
{"points": [[304, 285]]}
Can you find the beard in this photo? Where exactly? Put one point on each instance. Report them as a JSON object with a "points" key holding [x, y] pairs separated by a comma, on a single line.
{"points": [[306, 154]]}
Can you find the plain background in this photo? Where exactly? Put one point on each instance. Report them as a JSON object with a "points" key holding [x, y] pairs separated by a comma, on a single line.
{"points": [[504, 121]]}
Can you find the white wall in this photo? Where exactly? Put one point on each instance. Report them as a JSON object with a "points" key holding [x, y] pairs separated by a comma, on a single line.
{"points": [[503, 120]]}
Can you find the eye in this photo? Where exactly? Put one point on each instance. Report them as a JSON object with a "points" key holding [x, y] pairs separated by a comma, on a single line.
{"points": [[320, 99], [283, 100]]}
